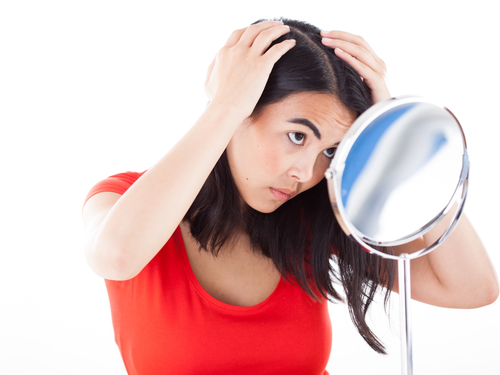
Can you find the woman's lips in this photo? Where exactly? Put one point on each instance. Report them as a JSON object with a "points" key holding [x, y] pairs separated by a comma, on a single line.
{"points": [[282, 195]]}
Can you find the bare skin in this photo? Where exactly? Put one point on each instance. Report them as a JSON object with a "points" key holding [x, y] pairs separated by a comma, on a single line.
{"points": [[238, 277], [123, 233]]}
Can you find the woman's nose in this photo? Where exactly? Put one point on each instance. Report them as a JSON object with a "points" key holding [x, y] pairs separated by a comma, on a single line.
{"points": [[302, 171]]}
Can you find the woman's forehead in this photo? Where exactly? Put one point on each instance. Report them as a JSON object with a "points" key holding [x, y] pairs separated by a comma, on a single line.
{"points": [[324, 110]]}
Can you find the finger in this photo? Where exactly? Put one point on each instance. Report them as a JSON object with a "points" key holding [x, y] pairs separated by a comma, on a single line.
{"points": [[374, 81], [357, 51], [348, 37], [275, 52], [266, 37], [363, 70], [234, 37], [210, 69], [248, 37], [355, 39]]}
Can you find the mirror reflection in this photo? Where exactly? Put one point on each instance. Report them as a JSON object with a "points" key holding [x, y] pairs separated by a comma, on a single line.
{"points": [[401, 172]]}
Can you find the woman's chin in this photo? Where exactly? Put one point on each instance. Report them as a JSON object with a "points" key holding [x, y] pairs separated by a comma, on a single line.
{"points": [[265, 208]]}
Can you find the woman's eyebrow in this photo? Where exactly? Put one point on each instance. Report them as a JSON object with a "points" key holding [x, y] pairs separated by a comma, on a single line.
{"points": [[309, 124]]}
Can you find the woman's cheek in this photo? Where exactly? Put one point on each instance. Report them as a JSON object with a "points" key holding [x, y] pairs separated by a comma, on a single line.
{"points": [[272, 157], [322, 164]]}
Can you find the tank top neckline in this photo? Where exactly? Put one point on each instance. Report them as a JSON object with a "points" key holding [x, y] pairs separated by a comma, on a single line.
{"points": [[207, 296]]}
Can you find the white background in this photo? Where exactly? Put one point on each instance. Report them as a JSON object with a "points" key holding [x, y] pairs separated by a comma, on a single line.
{"points": [[92, 88]]}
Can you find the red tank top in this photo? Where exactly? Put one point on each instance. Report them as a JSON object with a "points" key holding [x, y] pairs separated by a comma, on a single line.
{"points": [[166, 323]]}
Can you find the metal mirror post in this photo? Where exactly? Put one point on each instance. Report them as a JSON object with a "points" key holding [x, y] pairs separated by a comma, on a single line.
{"points": [[401, 169]]}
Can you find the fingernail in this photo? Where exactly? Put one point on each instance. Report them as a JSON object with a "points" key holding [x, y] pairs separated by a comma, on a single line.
{"points": [[325, 32], [338, 49]]}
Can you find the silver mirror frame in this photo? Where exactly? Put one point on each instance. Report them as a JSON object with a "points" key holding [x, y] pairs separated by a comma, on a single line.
{"points": [[335, 172]]}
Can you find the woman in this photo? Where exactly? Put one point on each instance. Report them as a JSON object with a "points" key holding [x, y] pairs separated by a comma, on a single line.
{"points": [[217, 259]]}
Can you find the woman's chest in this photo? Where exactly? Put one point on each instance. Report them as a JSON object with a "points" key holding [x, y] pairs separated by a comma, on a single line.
{"points": [[238, 276]]}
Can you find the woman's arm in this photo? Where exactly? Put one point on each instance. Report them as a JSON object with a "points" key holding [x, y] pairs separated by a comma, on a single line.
{"points": [[123, 233], [457, 274]]}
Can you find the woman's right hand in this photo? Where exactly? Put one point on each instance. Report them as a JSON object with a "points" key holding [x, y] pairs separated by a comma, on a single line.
{"points": [[237, 76]]}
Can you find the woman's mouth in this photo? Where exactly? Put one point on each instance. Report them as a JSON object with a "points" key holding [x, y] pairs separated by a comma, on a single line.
{"points": [[280, 195]]}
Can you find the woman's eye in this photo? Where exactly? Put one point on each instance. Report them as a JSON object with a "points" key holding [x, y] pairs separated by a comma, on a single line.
{"points": [[330, 152], [297, 138]]}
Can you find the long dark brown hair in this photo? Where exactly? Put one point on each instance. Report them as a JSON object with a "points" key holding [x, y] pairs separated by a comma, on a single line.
{"points": [[302, 236]]}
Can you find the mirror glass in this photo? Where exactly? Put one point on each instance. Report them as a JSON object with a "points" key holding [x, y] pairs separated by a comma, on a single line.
{"points": [[397, 170]]}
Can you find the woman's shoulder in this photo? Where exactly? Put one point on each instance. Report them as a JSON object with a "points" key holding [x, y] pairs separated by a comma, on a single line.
{"points": [[127, 176], [117, 183]]}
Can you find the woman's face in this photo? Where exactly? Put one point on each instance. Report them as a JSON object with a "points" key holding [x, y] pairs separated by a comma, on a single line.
{"points": [[287, 148]]}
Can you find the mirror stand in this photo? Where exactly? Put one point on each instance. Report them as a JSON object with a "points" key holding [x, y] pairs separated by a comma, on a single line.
{"points": [[405, 314]]}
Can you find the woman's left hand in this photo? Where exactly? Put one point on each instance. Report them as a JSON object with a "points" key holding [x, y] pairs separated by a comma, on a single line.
{"points": [[357, 53]]}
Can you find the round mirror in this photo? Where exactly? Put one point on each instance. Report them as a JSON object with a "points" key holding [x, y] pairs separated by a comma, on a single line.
{"points": [[398, 171]]}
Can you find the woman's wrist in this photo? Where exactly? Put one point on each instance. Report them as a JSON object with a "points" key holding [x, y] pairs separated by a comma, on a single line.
{"points": [[229, 114]]}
